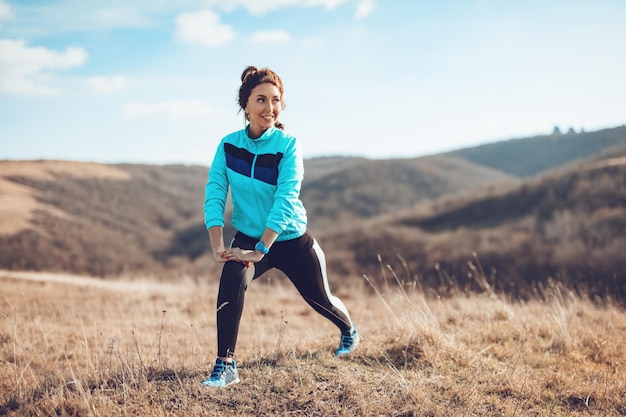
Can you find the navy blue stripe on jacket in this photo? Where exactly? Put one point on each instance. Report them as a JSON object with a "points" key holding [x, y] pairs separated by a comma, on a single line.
{"points": [[238, 159], [265, 169]]}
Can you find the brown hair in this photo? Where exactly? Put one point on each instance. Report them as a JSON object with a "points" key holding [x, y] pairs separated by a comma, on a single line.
{"points": [[250, 78]]}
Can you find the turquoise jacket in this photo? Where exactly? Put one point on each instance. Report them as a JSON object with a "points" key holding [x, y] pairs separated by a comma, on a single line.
{"points": [[264, 176]]}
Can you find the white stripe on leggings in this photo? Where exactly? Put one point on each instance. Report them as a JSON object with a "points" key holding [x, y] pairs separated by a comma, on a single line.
{"points": [[335, 301]]}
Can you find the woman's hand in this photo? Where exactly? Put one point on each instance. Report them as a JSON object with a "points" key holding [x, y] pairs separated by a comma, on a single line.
{"points": [[241, 255]]}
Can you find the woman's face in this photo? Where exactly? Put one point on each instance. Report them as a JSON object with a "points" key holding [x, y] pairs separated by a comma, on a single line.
{"points": [[263, 108]]}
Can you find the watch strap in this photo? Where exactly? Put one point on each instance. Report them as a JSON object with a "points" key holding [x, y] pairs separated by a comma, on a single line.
{"points": [[260, 246]]}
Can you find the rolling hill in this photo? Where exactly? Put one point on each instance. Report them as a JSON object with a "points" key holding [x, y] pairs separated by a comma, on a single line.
{"points": [[106, 220], [369, 188], [569, 226], [526, 157], [99, 219], [429, 213]]}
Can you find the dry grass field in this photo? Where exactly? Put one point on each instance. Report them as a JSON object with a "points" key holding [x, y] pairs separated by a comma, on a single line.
{"points": [[77, 346]]}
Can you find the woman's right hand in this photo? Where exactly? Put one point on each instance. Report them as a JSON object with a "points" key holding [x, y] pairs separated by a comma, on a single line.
{"points": [[245, 256]]}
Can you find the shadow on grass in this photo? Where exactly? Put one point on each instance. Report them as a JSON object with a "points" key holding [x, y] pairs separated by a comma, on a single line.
{"points": [[11, 405]]}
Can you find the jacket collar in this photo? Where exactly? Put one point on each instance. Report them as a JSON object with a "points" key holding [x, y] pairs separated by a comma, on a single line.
{"points": [[264, 136]]}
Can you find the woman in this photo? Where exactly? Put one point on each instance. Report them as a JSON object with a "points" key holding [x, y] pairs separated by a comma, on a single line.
{"points": [[263, 167]]}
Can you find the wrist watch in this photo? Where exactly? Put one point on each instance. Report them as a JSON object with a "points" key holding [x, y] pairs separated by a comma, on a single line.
{"points": [[260, 246]]}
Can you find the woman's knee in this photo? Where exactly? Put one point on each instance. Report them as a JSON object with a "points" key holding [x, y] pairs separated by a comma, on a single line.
{"points": [[235, 274]]}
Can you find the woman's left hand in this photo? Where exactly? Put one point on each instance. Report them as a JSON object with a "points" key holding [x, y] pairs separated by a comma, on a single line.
{"points": [[242, 255]]}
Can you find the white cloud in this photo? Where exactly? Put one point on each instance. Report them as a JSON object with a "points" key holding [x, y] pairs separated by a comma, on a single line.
{"points": [[5, 11], [107, 85], [364, 9], [176, 109], [270, 36], [204, 28], [27, 70], [264, 6]]}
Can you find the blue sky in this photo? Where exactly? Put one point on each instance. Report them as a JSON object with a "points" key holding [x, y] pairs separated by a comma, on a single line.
{"points": [[155, 81]]}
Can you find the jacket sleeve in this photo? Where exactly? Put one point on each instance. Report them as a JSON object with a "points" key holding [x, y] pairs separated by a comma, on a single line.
{"points": [[216, 190], [287, 196]]}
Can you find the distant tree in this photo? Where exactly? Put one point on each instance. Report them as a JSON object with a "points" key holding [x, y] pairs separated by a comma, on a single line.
{"points": [[556, 130], [571, 131]]}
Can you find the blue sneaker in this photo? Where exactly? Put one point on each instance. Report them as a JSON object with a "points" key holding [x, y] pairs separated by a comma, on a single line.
{"points": [[349, 341], [223, 374]]}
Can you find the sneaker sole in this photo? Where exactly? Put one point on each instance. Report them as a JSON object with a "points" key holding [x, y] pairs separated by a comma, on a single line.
{"points": [[235, 381]]}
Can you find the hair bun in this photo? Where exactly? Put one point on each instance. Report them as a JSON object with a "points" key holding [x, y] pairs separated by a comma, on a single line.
{"points": [[251, 70]]}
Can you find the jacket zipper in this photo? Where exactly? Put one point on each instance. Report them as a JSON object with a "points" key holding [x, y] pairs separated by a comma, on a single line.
{"points": [[252, 181]]}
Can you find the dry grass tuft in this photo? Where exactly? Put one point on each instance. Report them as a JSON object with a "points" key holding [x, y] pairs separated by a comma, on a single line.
{"points": [[130, 348]]}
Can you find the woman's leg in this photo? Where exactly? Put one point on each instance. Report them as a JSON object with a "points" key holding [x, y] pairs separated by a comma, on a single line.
{"points": [[230, 298], [304, 263]]}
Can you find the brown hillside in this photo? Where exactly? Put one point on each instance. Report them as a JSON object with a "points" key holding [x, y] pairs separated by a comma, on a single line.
{"points": [[425, 216], [322, 166], [111, 219], [19, 202], [100, 219], [569, 225], [368, 188]]}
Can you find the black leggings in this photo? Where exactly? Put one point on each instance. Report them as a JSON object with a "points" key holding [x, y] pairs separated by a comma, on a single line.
{"points": [[303, 262]]}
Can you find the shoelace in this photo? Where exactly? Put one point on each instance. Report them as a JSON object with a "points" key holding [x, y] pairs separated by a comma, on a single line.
{"points": [[346, 339], [218, 370]]}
